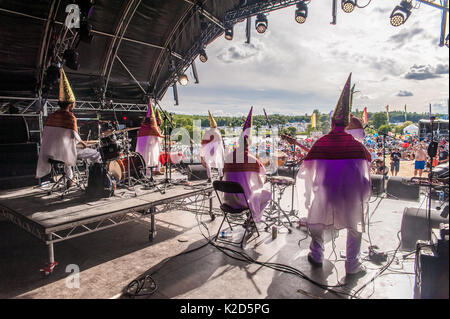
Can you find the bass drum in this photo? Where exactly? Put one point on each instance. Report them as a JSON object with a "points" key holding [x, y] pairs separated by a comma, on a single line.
{"points": [[118, 169]]}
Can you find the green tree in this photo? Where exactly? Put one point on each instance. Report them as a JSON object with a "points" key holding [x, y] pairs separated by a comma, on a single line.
{"points": [[379, 119], [384, 129]]}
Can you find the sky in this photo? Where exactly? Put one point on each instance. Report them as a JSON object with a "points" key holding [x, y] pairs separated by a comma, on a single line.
{"points": [[294, 68]]}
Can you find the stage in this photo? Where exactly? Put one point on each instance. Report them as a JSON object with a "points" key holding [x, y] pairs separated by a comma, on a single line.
{"points": [[53, 219], [109, 260]]}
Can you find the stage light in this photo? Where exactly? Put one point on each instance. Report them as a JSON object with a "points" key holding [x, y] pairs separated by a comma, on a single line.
{"points": [[261, 23], [301, 13], [71, 58], [203, 57], [183, 79], [124, 118], [229, 33], [401, 13], [348, 5]]}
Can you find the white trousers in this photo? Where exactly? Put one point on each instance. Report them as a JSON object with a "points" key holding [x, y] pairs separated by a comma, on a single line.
{"points": [[85, 154], [353, 247]]}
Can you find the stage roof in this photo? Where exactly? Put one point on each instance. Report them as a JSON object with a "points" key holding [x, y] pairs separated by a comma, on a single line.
{"points": [[138, 35]]}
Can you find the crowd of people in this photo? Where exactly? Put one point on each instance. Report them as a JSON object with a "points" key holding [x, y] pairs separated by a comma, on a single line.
{"points": [[398, 149]]}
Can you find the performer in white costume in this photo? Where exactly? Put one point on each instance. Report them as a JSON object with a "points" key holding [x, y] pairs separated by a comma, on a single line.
{"points": [[334, 182], [212, 152], [356, 128], [60, 139], [245, 169], [149, 139]]}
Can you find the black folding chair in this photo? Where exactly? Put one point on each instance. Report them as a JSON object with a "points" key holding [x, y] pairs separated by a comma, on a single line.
{"points": [[236, 189]]}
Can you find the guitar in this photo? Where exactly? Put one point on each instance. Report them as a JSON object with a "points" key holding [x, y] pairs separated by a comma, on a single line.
{"points": [[293, 141]]}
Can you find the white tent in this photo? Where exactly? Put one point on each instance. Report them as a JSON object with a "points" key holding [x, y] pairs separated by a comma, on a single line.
{"points": [[412, 129]]}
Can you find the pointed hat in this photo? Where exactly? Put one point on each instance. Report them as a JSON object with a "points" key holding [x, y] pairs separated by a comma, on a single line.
{"points": [[151, 113], [65, 91], [158, 118], [341, 115], [246, 130], [212, 121]]}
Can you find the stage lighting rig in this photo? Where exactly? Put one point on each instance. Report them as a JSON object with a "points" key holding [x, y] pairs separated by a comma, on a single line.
{"points": [[401, 13], [348, 5], [261, 23], [302, 12], [202, 56], [229, 32], [183, 79]]}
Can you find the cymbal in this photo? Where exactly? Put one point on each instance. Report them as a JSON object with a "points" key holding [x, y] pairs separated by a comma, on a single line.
{"points": [[108, 133]]}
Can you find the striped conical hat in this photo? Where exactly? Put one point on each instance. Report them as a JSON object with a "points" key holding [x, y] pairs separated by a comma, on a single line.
{"points": [[247, 128], [341, 115], [65, 91], [212, 121]]}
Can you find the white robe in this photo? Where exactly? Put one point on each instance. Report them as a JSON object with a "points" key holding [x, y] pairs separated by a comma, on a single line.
{"points": [[335, 192], [213, 152], [253, 185], [148, 147], [59, 144]]}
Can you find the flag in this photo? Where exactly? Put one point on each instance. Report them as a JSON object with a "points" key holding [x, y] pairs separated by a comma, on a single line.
{"points": [[429, 112], [405, 113], [313, 120], [365, 115], [387, 113]]}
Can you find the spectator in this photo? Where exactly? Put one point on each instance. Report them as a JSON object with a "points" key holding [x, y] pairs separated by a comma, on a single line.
{"points": [[395, 162], [420, 156], [443, 155]]}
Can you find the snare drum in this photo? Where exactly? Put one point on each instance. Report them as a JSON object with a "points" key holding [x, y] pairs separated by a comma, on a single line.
{"points": [[281, 180], [119, 168]]}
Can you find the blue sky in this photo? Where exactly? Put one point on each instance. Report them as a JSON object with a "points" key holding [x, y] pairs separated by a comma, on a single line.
{"points": [[294, 69]]}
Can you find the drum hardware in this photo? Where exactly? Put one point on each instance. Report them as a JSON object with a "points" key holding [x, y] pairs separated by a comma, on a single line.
{"points": [[274, 210]]}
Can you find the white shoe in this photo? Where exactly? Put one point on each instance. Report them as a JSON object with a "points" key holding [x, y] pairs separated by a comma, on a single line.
{"points": [[360, 270]]}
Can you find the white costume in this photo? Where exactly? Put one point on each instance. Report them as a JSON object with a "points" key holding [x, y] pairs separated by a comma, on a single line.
{"points": [[212, 151], [149, 139], [245, 169], [334, 182]]}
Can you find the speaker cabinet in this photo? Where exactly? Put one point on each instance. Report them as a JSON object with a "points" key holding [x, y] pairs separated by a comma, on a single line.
{"points": [[377, 185], [18, 165], [398, 188], [196, 172]]}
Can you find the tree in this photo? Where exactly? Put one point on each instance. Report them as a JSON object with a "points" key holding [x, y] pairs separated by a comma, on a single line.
{"points": [[384, 129], [399, 129], [379, 119]]}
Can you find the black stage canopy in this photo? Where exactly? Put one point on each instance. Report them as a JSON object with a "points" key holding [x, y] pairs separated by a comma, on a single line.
{"points": [[128, 58]]}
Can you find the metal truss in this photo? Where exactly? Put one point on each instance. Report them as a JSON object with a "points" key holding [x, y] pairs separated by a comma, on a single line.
{"points": [[26, 224]]}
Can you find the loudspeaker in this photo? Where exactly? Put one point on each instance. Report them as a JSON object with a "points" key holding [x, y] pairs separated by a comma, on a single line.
{"points": [[287, 171], [14, 129], [398, 188], [377, 184], [415, 225], [18, 165], [196, 172]]}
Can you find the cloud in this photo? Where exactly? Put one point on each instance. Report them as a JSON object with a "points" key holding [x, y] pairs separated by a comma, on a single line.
{"points": [[441, 69], [241, 52], [423, 72], [404, 93], [405, 36]]}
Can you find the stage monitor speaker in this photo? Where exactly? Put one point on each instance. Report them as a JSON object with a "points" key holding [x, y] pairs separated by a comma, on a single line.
{"points": [[14, 129], [287, 171], [398, 188], [415, 225], [377, 185], [196, 172], [18, 165]]}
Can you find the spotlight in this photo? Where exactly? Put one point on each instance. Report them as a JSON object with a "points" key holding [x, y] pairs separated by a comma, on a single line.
{"points": [[71, 57], [401, 13], [229, 33], [261, 23], [301, 13], [183, 79], [348, 5], [203, 57]]}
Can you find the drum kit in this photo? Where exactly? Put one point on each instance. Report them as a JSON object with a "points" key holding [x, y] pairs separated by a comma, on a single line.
{"points": [[123, 166]]}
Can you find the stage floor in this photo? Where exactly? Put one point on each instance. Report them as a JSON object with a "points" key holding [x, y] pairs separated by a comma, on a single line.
{"points": [[109, 260]]}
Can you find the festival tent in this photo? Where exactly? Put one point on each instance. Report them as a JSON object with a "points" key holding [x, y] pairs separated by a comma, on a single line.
{"points": [[411, 129]]}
